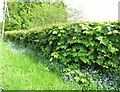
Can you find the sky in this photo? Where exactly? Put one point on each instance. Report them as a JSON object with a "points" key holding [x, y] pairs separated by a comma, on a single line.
{"points": [[1, 12], [96, 10], [92, 10]]}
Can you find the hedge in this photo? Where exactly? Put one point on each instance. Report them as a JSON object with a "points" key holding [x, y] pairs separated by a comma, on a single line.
{"points": [[81, 43]]}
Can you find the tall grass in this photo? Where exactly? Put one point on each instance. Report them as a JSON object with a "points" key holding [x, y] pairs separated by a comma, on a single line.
{"points": [[23, 70]]}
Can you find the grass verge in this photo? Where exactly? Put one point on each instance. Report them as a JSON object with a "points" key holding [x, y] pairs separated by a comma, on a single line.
{"points": [[22, 72]]}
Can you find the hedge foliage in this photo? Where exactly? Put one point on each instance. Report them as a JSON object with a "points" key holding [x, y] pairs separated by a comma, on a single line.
{"points": [[82, 43]]}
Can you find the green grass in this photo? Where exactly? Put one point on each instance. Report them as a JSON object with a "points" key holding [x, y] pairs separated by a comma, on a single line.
{"points": [[24, 71]]}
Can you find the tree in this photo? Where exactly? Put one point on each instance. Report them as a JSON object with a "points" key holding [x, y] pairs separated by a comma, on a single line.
{"points": [[74, 14], [24, 15]]}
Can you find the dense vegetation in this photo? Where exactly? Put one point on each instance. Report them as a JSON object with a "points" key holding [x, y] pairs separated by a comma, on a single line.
{"points": [[21, 69], [85, 51], [24, 15]]}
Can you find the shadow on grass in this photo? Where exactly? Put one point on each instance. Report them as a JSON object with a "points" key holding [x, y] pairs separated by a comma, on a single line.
{"points": [[23, 70], [37, 58]]}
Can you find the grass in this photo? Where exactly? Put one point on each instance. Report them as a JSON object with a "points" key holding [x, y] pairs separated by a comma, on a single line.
{"points": [[20, 71]]}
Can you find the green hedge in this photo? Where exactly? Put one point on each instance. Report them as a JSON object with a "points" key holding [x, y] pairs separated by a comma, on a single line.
{"points": [[81, 43]]}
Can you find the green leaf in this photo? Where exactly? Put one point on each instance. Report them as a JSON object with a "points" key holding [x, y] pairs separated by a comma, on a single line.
{"points": [[60, 27], [113, 32], [100, 60], [85, 42], [78, 28], [54, 32], [100, 38], [81, 54], [72, 72], [63, 46], [36, 40], [74, 54], [68, 73], [59, 34], [74, 49], [82, 49], [80, 73], [55, 54], [65, 54], [83, 80], [50, 42], [108, 28], [62, 31], [77, 78], [91, 57], [83, 27], [92, 43], [112, 49], [74, 38], [103, 40], [84, 59], [51, 59]]}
